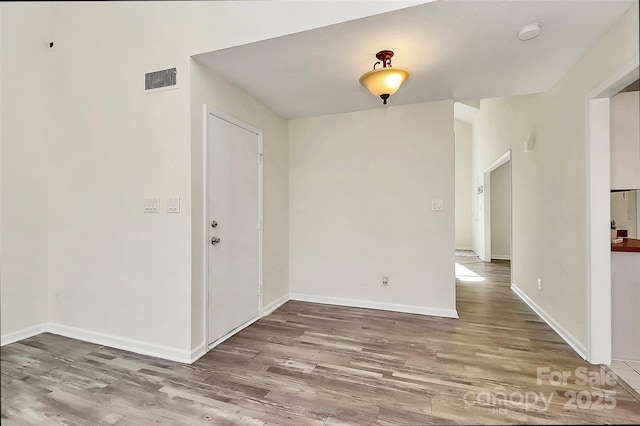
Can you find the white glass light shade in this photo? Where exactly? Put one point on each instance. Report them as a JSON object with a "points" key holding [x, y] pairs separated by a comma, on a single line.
{"points": [[384, 80]]}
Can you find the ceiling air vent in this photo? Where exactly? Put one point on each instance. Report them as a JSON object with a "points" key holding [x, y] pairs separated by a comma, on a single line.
{"points": [[159, 79]]}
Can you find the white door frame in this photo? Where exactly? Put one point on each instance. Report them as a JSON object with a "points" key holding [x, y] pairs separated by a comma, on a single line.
{"points": [[598, 211], [205, 218], [485, 216]]}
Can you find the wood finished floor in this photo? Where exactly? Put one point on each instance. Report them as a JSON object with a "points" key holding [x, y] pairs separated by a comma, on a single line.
{"points": [[311, 364]]}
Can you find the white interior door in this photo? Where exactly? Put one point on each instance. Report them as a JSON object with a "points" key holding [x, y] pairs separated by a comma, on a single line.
{"points": [[233, 203]]}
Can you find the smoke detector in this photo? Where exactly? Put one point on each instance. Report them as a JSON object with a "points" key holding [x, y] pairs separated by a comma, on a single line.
{"points": [[529, 32]]}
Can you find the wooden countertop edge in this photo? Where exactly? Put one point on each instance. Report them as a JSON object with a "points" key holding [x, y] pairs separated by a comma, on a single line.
{"points": [[629, 245]]}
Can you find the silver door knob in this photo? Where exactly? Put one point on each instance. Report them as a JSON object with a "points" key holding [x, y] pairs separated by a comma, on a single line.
{"points": [[215, 240], [214, 223]]}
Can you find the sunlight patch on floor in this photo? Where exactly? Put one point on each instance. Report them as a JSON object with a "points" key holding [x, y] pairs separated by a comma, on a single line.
{"points": [[466, 275]]}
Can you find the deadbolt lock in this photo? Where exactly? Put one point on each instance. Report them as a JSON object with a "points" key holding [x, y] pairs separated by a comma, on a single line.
{"points": [[214, 223]]}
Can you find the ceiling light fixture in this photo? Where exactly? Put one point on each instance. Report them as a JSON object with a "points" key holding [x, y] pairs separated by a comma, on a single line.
{"points": [[529, 32], [384, 81]]}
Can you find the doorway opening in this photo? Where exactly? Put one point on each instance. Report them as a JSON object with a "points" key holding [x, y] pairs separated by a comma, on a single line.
{"points": [[598, 214], [500, 199], [480, 271]]}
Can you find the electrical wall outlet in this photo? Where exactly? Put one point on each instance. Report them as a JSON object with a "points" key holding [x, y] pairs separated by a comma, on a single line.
{"points": [[539, 283], [437, 205]]}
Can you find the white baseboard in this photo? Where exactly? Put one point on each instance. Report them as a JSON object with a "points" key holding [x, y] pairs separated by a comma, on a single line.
{"points": [[623, 359], [190, 356], [355, 303], [267, 310], [198, 352], [465, 248], [500, 257], [25, 333], [126, 344], [560, 330]]}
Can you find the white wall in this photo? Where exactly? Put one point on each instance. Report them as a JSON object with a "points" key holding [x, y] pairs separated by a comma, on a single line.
{"points": [[25, 136], [501, 212], [505, 124], [217, 93], [119, 272], [549, 182], [361, 186], [625, 140], [463, 184]]}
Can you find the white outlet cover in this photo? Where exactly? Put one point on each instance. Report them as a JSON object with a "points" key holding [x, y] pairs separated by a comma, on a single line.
{"points": [[437, 205]]}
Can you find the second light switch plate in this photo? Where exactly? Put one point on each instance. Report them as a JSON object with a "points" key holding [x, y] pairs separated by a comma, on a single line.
{"points": [[173, 205]]}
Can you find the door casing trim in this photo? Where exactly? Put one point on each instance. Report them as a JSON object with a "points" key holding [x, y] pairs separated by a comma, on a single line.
{"points": [[598, 212]]}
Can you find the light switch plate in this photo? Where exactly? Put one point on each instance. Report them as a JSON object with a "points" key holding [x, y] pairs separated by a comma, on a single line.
{"points": [[437, 205], [173, 205], [152, 205]]}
